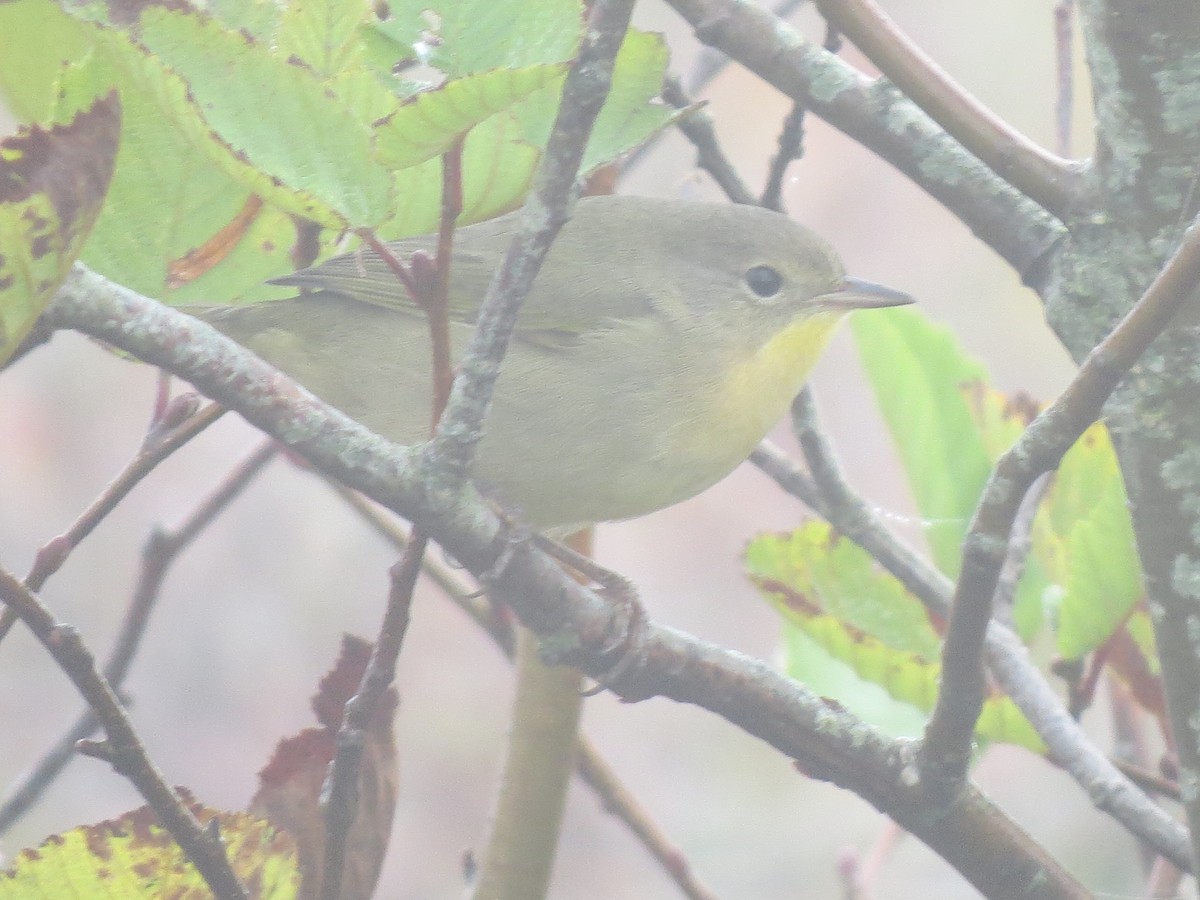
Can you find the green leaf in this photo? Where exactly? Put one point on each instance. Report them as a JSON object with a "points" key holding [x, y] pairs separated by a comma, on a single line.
{"points": [[284, 134], [1084, 537], [632, 114], [431, 121], [949, 426], [323, 34], [923, 383], [168, 197], [258, 18], [830, 589], [459, 37], [38, 40], [806, 661], [52, 186], [497, 167], [501, 153], [134, 857]]}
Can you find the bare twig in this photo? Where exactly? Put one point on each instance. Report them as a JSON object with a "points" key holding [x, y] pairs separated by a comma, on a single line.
{"points": [[448, 458], [879, 117], [1019, 544], [340, 793], [149, 455], [1151, 782], [697, 127], [160, 443], [1051, 181], [159, 552], [945, 753], [340, 805], [123, 749], [494, 622], [791, 146]]}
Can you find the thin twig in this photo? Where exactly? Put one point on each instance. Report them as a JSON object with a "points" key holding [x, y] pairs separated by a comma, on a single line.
{"points": [[1051, 181], [495, 622], [161, 549], [1150, 781], [945, 753], [447, 459], [791, 147], [158, 445], [149, 455], [878, 116], [1020, 543], [123, 748], [340, 805], [697, 127], [620, 801]]}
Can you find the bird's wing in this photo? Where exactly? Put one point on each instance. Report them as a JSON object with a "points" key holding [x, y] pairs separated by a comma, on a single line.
{"points": [[553, 310]]}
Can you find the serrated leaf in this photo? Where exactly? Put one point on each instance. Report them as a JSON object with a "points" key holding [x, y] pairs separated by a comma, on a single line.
{"points": [[134, 857], [829, 588], [364, 95], [460, 37], [52, 186], [633, 112], [306, 153], [1084, 537], [258, 18], [497, 167], [922, 382], [431, 121], [323, 34], [168, 197]]}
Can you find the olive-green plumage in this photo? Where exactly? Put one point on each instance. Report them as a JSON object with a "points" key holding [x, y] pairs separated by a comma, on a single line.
{"points": [[660, 342]]}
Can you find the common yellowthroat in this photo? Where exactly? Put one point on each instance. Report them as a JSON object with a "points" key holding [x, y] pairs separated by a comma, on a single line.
{"points": [[661, 341]]}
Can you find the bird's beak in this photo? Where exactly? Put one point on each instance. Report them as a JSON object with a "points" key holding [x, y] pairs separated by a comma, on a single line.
{"points": [[854, 293]]}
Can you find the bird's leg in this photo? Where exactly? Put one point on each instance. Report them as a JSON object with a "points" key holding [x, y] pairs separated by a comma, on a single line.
{"points": [[628, 646]]}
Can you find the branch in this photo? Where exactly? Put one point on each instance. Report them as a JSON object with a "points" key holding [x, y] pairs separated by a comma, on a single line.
{"points": [[880, 118], [123, 749], [1008, 658], [945, 754], [992, 852], [1054, 183]]}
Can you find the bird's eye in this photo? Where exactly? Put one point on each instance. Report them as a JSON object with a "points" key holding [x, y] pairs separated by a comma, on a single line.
{"points": [[764, 281]]}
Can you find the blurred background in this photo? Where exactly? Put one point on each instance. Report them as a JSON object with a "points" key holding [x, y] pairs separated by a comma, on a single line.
{"points": [[253, 612]]}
